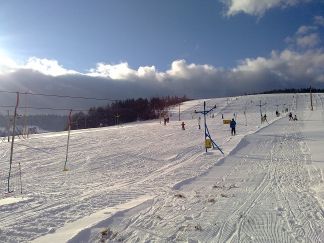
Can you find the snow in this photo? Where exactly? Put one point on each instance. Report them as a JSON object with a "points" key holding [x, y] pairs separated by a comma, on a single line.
{"points": [[11, 200], [146, 182], [81, 226], [313, 145]]}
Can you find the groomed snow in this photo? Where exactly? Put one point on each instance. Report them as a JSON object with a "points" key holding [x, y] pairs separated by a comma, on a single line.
{"points": [[81, 226], [11, 200], [147, 182]]}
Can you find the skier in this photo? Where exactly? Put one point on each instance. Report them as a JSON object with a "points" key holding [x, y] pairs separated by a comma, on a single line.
{"points": [[183, 126], [295, 118], [265, 118], [166, 119], [232, 126], [199, 119], [290, 116]]}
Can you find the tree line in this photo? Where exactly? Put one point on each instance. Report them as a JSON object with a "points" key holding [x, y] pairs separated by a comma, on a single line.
{"points": [[124, 111], [292, 90]]}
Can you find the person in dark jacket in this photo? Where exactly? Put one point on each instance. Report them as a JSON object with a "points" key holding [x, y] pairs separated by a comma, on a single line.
{"points": [[232, 126]]}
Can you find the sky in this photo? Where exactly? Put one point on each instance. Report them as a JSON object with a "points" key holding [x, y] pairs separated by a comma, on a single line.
{"points": [[127, 48]]}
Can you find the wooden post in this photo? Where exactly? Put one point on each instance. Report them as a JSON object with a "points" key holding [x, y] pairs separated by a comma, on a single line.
{"points": [[117, 119], [8, 127], [311, 97], [12, 141], [20, 181], [179, 112], [68, 140], [25, 129]]}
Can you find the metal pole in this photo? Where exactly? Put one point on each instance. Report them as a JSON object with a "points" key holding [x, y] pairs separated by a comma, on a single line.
{"points": [[204, 112], [245, 118], [68, 141], [8, 128], [179, 112], [205, 123], [261, 109], [296, 101], [25, 130], [19, 165], [12, 141]]}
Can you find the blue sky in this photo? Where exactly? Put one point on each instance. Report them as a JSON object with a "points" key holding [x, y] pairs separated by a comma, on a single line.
{"points": [[80, 33], [251, 44]]}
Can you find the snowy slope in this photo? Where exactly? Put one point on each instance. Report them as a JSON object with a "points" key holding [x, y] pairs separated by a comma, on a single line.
{"points": [[150, 182]]}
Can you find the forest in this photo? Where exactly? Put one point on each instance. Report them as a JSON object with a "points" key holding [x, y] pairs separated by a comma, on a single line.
{"points": [[124, 111]]}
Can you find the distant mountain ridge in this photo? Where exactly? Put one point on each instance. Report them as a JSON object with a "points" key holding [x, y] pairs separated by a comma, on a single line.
{"points": [[282, 91], [52, 123]]}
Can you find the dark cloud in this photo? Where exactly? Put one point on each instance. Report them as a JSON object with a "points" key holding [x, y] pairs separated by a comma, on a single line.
{"points": [[286, 69]]}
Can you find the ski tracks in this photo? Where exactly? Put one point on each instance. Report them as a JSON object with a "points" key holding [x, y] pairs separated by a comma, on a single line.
{"points": [[282, 208]]}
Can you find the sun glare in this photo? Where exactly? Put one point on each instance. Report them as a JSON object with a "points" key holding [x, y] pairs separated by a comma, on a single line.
{"points": [[6, 62]]}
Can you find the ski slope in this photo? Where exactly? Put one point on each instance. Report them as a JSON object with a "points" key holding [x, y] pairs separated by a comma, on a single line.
{"points": [[146, 182]]}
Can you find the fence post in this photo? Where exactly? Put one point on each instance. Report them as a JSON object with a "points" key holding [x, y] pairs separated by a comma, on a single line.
{"points": [[13, 140], [68, 141]]}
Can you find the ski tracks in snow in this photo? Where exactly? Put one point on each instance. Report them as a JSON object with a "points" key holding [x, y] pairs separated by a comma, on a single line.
{"points": [[265, 196], [262, 193], [282, 207]]}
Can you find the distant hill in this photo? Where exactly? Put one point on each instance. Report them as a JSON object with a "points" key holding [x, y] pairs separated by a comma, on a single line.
{"points": [[51, 123], [283, 91]]}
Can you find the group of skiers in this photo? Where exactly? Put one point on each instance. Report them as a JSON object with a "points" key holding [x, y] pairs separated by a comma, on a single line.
{"points": [[264, 118], [291, 118], [233, 122]]}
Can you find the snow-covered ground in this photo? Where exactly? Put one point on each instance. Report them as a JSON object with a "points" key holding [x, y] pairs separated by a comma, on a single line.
{"points": [[146, 182]]}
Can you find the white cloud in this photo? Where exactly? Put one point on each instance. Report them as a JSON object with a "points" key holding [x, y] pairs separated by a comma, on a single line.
{"points": [[119, 71], [44, 66], [180, 69], [304, 29], [288, 65], [305, 37], [319, 20], [310, 40], [122, 71], [257, 7], [285, 69], [47, 67]]}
